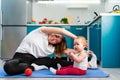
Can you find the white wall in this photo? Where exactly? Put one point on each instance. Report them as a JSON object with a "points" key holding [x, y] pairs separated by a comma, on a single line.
{"points": [[58, 11], [110, 3]]}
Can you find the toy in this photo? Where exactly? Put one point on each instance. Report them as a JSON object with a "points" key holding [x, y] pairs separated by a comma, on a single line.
{"points": [[28, 72]]}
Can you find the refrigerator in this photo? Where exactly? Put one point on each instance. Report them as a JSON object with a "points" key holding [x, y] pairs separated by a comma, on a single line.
{"points": [[14, 24], [0, 27]]}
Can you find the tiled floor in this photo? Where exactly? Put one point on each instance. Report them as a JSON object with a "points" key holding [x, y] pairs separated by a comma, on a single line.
{"points": [[114, 75]]}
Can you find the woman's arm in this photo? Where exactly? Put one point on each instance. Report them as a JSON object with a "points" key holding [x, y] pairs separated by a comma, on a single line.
{"points": [[50, 30]]}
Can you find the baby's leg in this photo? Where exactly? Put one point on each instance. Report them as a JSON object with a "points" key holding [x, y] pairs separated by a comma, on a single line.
{"points": [[53, 70], [58, 66]]}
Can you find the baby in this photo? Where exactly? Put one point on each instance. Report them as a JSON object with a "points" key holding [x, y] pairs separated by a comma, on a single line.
{"points": [[80, 58]]}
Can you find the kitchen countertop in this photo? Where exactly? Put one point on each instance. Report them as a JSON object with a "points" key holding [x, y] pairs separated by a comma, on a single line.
{"points": [[110, 14], [67, 24], [57, 24]]}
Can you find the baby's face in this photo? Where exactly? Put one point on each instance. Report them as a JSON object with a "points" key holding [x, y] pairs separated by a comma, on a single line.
{"points": [[78, 45]]}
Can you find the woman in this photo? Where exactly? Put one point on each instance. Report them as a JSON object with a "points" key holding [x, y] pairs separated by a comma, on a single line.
{"points": [[35, 49]]}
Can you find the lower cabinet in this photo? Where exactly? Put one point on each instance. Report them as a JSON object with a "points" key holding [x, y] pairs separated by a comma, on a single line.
{"points": [[110, 41], [95, 40]]}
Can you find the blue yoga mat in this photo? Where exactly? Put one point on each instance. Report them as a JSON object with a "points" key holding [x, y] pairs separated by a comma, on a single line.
{"points": [[91, 73]]}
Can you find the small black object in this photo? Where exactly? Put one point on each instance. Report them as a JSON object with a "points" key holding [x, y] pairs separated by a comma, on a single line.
{"points": [[116, 7]]}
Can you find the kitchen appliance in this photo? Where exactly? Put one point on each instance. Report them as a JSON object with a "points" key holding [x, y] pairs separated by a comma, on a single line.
{"points": [[0, 27], [14, 21]]}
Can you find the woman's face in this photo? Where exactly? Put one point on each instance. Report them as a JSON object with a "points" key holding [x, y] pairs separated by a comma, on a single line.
{"points": [[55, 38]]}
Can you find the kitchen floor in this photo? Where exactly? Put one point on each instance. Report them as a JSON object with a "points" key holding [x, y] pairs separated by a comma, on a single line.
{"points": [[114, 75]]}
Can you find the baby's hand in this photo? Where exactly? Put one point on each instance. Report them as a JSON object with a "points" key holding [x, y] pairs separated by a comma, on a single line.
{"points": [[69, 51], [71, 55], [90, 52]]}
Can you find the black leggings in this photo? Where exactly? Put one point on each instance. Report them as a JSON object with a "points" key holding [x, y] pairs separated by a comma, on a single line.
{"points": [[52, 62], [21, 61]]}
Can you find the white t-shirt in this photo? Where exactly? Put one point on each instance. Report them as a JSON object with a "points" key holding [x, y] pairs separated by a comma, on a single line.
{"points": [[36, 43], [82, 65]]}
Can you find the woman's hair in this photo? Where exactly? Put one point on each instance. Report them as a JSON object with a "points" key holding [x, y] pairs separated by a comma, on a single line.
{"points": [[60, 48]]}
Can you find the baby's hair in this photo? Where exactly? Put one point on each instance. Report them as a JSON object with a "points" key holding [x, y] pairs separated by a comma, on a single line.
{"points": [[84, 40]]}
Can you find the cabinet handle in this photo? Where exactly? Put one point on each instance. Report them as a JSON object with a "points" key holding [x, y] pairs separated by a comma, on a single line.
{"points": [[66, 27], [79, 28], [0, 32]]}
